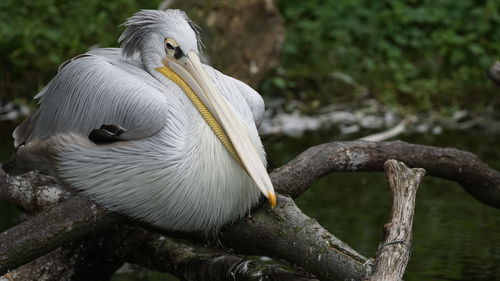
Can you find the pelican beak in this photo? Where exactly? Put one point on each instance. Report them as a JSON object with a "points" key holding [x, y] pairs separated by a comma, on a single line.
{"points": [[192, 78]]}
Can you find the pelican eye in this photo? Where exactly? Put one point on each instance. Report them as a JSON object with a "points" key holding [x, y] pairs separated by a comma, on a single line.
{"points": [[170, 46], [173, 49]]}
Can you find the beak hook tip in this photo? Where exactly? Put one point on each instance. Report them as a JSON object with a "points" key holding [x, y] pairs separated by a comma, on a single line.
{"points": [[272, 199]]}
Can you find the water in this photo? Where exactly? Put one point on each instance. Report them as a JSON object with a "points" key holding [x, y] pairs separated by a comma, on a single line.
{"points": [[455, 237]]}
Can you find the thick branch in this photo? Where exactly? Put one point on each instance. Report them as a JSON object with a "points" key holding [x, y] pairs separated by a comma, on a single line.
{"points": [[95, 257], [32, 192], [285, 233], [50, 229], [394, 252], [465, 168], [190, 262]]}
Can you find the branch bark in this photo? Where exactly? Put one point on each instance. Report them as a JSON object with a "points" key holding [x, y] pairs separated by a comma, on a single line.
{"points": [[285, 233], [463, 167], [51, 229], [32, 192], [95, 257], [192, 262], [394, 251]]}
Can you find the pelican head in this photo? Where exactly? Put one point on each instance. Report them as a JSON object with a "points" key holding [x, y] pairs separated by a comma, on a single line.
{"points": [[169, 45]]}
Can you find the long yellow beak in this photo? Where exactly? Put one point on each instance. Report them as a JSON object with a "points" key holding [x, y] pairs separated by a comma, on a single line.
{"points": [[189, 74]]}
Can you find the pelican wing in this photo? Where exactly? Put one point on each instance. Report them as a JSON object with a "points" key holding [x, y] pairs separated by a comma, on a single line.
{"points": [[227, 84], [254, 100], [94, 89]]}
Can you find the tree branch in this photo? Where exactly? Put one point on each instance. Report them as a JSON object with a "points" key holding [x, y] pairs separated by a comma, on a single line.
{"points": [[463, 167], [32, 192], [191, 262], [293, 179], [394, 252], [51, 229], [285, 233], [95, 257]]}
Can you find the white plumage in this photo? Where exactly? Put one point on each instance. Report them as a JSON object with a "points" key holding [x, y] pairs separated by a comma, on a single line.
{"points": [[169, 168]]}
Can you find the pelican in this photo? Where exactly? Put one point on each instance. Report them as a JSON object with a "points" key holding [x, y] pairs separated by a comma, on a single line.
{"points": [[150, 131]]}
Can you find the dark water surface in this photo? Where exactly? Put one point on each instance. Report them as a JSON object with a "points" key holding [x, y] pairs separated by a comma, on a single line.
{"points": [[455, 237]]}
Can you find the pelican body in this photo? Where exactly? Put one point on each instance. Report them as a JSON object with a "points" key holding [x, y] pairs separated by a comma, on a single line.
{"points": [[149, 131]]}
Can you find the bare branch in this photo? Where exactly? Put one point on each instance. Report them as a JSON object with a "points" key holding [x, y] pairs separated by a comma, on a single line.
{"points": [[285, 233], [32, 192], [50, 229], [95, 257], [390, 133], [394, 252], [465, 168], [192, 262]]}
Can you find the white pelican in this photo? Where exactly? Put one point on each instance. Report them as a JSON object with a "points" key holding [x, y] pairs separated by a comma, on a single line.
{"points": [[149, 131]]}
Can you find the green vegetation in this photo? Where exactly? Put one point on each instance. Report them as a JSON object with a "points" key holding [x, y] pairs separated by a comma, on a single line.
{"points": [[417, 55], [37, 36]]}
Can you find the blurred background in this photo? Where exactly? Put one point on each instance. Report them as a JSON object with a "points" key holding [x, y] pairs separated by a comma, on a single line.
{"points": [[328, 71]]}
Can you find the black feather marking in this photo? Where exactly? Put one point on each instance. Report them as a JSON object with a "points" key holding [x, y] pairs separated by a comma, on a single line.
{"points": [[106, 134]]}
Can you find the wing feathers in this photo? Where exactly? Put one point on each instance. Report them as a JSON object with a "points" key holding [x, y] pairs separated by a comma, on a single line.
{"points": [[89, 92]]}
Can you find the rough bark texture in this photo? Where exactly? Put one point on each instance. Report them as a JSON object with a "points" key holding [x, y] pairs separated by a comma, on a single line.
{"points": [[95, 257], [394, 251], [51, 229], [285, 233], [83, 259], [243, 38], [32, 192], [463, 167], [192, 262]]}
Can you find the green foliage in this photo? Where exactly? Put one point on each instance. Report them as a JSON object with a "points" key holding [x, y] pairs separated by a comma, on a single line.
{"points": [[37, 36], [422, 55], [418, 55]]}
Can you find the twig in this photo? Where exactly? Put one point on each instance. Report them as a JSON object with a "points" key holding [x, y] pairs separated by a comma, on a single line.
{"points": [[394, 252], [387, 134]]}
